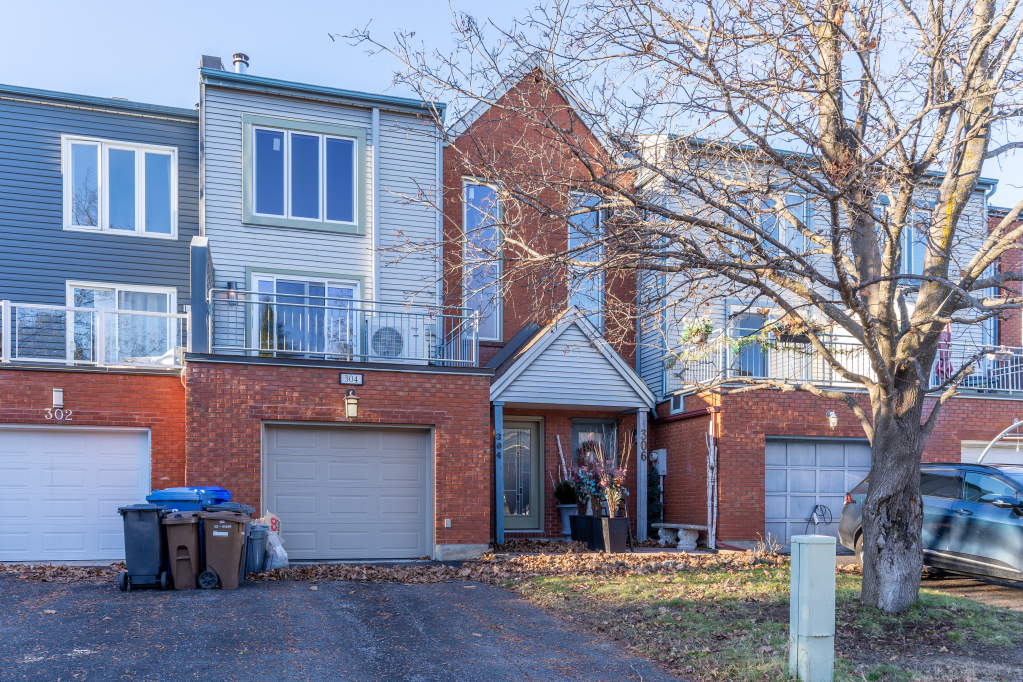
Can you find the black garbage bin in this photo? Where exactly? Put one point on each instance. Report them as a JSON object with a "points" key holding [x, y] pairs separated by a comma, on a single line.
{"points": [[144, 552]]}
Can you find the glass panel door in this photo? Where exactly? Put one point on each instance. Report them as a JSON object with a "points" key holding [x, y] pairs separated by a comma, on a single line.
{"points": [[751, 361], [522, 478], [306, 317]]}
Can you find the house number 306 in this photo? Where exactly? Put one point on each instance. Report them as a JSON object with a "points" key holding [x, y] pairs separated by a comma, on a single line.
{"points": [[59, 415]]}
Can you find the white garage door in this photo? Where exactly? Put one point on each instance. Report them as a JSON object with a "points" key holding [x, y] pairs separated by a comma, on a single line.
{"points": [[1001, 453], [349, 493], [60, 490], [801, 474]]}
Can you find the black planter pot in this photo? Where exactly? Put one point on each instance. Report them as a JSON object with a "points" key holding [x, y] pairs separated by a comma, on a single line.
{"points": [[614, 534], [580, 528], [794, 338]]}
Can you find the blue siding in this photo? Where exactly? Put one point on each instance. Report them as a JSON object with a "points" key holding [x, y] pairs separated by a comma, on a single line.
{"points": [[38, 256]]}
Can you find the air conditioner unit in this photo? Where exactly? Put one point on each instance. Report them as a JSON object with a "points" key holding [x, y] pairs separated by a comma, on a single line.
{"points": [[400, 339]]}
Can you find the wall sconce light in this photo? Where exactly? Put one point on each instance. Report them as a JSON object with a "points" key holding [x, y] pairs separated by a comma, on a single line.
{"points": [[832, 419], [58, 398], [351, 404]]}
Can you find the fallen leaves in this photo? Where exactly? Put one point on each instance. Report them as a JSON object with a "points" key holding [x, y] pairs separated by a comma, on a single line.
{"points": [[49, 611], [531, 546], [63, 574]]}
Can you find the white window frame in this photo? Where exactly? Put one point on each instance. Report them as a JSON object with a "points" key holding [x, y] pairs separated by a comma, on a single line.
{"points": [[72, 284], [256, 277], [680, 398], [600, 314], [322, 175], [499, 298], [102, 185]]}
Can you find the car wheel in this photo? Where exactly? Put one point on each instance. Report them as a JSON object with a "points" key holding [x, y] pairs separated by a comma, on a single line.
{"points": [[859, 551]]}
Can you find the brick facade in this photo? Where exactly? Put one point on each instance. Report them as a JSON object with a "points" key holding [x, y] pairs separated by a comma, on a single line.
{"points": [[1010, 324], [227, 403], [156, 402], [743, 423]]}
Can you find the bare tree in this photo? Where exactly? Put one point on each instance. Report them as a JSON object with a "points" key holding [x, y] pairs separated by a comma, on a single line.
{"points": [[877, 114]]}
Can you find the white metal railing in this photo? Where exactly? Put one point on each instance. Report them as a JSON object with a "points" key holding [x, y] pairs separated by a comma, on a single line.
{"points": [[322, 327], [727, 358], [102, 337]]}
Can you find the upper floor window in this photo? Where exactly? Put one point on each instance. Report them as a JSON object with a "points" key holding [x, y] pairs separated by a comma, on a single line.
{"points": [[916, 241], [585, 235], [304, 175], [481, 257], [777, 224], [120, 187]]}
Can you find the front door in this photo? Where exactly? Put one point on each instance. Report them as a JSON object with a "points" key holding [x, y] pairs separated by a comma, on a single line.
{"points": [[523, 482]]}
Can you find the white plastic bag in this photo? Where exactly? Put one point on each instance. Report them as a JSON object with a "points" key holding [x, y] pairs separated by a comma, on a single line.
{"points": [[276, 557]]}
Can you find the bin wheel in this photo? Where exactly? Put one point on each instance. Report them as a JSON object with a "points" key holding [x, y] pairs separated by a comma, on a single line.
{"points": [[163, 580], [124, 582], [208, 580]]}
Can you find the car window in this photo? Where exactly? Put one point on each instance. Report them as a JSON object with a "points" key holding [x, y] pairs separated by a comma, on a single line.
{"points": [[980, 487], [1015, 473], [939, 483]]}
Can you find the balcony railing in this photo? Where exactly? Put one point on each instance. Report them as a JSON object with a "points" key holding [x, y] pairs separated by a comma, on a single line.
{"points": [[294, 326], [100, 337], [725, 359]]}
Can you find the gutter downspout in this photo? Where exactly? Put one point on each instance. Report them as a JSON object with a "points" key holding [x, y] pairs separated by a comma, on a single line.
{"points": [[374, 267], [440, 222]]}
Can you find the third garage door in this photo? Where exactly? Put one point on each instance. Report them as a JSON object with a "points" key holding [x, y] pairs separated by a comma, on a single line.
{"points": [[349, 492], [801, 474]]}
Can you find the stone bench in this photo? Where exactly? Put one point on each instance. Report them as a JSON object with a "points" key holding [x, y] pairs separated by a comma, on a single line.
{"points": [[683, 535]]}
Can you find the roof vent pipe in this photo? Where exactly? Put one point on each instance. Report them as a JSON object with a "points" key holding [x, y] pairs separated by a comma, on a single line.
{"points": [[241, 62]]}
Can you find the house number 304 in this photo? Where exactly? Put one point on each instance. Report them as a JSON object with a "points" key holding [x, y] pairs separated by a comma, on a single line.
{"points": [[59, 415]]}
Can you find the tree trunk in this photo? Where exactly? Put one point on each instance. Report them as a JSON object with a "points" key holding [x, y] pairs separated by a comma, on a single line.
{"points": [[893, 510]]}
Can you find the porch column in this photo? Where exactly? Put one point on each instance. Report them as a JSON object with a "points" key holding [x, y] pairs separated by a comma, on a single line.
{"points": [[641, 465], [499, 472]]}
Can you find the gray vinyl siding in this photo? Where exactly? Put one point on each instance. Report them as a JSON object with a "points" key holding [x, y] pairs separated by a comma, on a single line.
{"points": [[38, 255], [571, 372], [405, 162]]}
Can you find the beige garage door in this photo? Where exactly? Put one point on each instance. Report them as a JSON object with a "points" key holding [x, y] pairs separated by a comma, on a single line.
{"points": [[60, 489], [349, 492]]}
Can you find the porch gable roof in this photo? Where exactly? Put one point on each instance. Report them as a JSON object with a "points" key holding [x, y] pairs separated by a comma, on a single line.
{"points": [[569, 363]]}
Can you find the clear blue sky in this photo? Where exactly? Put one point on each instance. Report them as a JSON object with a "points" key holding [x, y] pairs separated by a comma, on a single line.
{"points": [[149, 52]]}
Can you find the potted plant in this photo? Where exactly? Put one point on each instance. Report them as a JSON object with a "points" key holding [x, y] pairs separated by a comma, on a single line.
{"points": [[696, 331], [791, 329], [614, 529], [564, 493], [585, 483]]}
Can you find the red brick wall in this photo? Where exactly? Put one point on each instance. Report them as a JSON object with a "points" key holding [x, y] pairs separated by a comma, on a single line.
{"points": [[745, 421], [227, 403], [102, 399], [506, 141], [1010, 332]]}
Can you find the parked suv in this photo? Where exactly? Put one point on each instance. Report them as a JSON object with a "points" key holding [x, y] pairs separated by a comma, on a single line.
{"points": [[973, 519]]}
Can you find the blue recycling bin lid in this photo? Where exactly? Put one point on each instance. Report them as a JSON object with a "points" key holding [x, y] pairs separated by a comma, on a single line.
{"points": [[206, 493]]}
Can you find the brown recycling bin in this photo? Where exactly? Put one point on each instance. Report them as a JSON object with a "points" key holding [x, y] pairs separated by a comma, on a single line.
{"points": [[224, 537], [183, 548]]}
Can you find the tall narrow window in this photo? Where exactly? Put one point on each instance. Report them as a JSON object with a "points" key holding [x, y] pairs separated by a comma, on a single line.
{"points": [[482, 258], [916, 241], [269, 176], [305, 176], [120, 187], [778, 225], [158, 193], [751, 360], [585, 235], [85, 185], [340, 180], [121, 181]]}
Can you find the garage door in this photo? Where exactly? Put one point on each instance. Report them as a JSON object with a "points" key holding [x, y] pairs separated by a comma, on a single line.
{"points": [[349, 493], [801, 474], [60, 490], [1001, 453]]}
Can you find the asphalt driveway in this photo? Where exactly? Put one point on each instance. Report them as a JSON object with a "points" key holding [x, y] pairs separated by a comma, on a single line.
{"points": [[291, 631]]}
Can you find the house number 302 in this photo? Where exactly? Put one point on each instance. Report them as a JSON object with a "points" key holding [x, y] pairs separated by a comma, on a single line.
{"points": [[59, 415]]}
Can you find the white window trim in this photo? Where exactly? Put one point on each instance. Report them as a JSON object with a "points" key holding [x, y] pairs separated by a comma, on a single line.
{"points": [[103, 148], [321, 189], [72, 284], [258, 276], [671, 403], [601, 314], [499, 304]]}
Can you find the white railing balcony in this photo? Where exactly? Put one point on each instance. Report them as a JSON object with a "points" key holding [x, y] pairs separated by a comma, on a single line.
{"points": [[264, 324], [727, 359], [101, 337]]}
